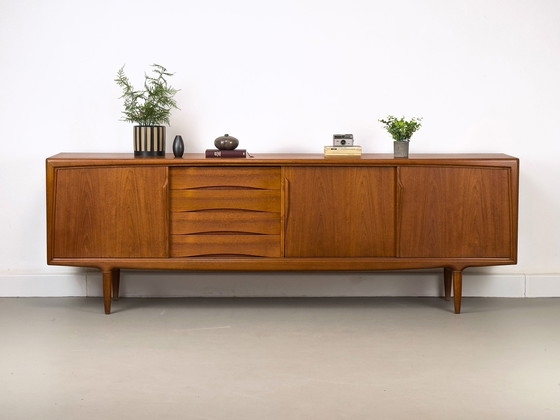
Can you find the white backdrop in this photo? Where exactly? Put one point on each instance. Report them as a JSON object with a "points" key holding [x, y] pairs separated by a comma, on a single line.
{"points": [[282, 77]]}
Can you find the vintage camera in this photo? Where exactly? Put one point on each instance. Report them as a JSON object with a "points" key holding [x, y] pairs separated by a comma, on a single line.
{"points": [[343, 140]]}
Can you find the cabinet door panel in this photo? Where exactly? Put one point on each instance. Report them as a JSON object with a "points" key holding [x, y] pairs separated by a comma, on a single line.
{"points": [[454, 212], [340, 212], [111, 212]]}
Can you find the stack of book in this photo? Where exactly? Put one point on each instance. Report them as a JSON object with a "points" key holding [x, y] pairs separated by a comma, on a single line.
{"points": [[215, 153], [343, 151]]}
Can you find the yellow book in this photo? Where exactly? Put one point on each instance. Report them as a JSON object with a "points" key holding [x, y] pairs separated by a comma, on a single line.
{"points": [[351, 151]]}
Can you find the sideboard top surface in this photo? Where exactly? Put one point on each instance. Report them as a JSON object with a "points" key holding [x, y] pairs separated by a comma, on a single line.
{"points": [[71, 159]]}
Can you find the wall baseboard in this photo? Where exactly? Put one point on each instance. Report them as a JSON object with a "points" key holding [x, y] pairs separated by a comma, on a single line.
{"points": [[543, 285], [182, 284], [43, 285]]}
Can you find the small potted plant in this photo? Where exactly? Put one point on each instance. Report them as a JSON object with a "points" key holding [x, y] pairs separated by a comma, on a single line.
{"points": [[401, 130], [149, 109]]}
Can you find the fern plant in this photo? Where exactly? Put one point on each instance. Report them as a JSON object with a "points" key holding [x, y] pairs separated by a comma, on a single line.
{"points": [[401, 129], [151, 106]]}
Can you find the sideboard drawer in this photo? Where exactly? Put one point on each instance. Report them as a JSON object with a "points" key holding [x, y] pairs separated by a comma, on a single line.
{"points": [[208, 199], [261, 178], [225, 221], [225, 211], [240, 245]]}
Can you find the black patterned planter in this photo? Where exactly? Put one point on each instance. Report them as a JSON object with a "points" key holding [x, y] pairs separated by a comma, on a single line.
{"points": [[149, 141]]}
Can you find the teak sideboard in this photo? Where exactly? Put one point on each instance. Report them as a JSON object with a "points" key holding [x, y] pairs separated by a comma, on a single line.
{"points": [[282, 212]]}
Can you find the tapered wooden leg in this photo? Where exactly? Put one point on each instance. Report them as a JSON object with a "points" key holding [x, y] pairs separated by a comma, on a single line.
{"points": [[447, 279], [107, 286], [116, 283], [457, 290]]}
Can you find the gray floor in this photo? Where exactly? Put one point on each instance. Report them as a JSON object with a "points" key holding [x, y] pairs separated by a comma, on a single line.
{"points": [[379, 358]]}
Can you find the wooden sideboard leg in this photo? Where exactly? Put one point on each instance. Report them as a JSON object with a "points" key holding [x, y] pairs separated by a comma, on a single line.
{"points": [[116, 283], [447, 280], [457, 290], [107, 287]]}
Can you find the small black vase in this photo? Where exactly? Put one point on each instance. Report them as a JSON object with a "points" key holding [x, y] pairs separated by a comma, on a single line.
{"points": [[178, 146]]}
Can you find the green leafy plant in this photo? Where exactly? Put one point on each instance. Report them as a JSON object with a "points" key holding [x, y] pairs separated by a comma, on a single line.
{"points": [[401, 129], [151, 106]]}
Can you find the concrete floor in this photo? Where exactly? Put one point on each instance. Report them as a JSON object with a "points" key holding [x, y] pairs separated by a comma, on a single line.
{"points": [[327, 358]]}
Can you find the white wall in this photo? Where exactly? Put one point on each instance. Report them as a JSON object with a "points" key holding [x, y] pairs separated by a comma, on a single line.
{"points": [[282, 77]]}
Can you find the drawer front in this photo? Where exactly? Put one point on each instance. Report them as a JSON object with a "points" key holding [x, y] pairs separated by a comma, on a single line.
{"points": [[263, 178], [240, 245], [210, 199], [225, 221]]}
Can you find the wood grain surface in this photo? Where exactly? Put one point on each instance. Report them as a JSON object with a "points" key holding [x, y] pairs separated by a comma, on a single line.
{"points": [[454, 212], [111, 212], [210, 199], [249, 245], [262, 178], [340, 212], [225, 221]]}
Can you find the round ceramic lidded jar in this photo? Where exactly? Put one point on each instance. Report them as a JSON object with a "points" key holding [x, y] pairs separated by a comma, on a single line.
{"points": [[226, 142]]}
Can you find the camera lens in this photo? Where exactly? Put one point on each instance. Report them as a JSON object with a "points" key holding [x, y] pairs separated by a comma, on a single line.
{"points": [[343, 142]]}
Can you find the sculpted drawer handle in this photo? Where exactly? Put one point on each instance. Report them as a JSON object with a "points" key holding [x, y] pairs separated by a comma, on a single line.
{"points": [[286, 203]]}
